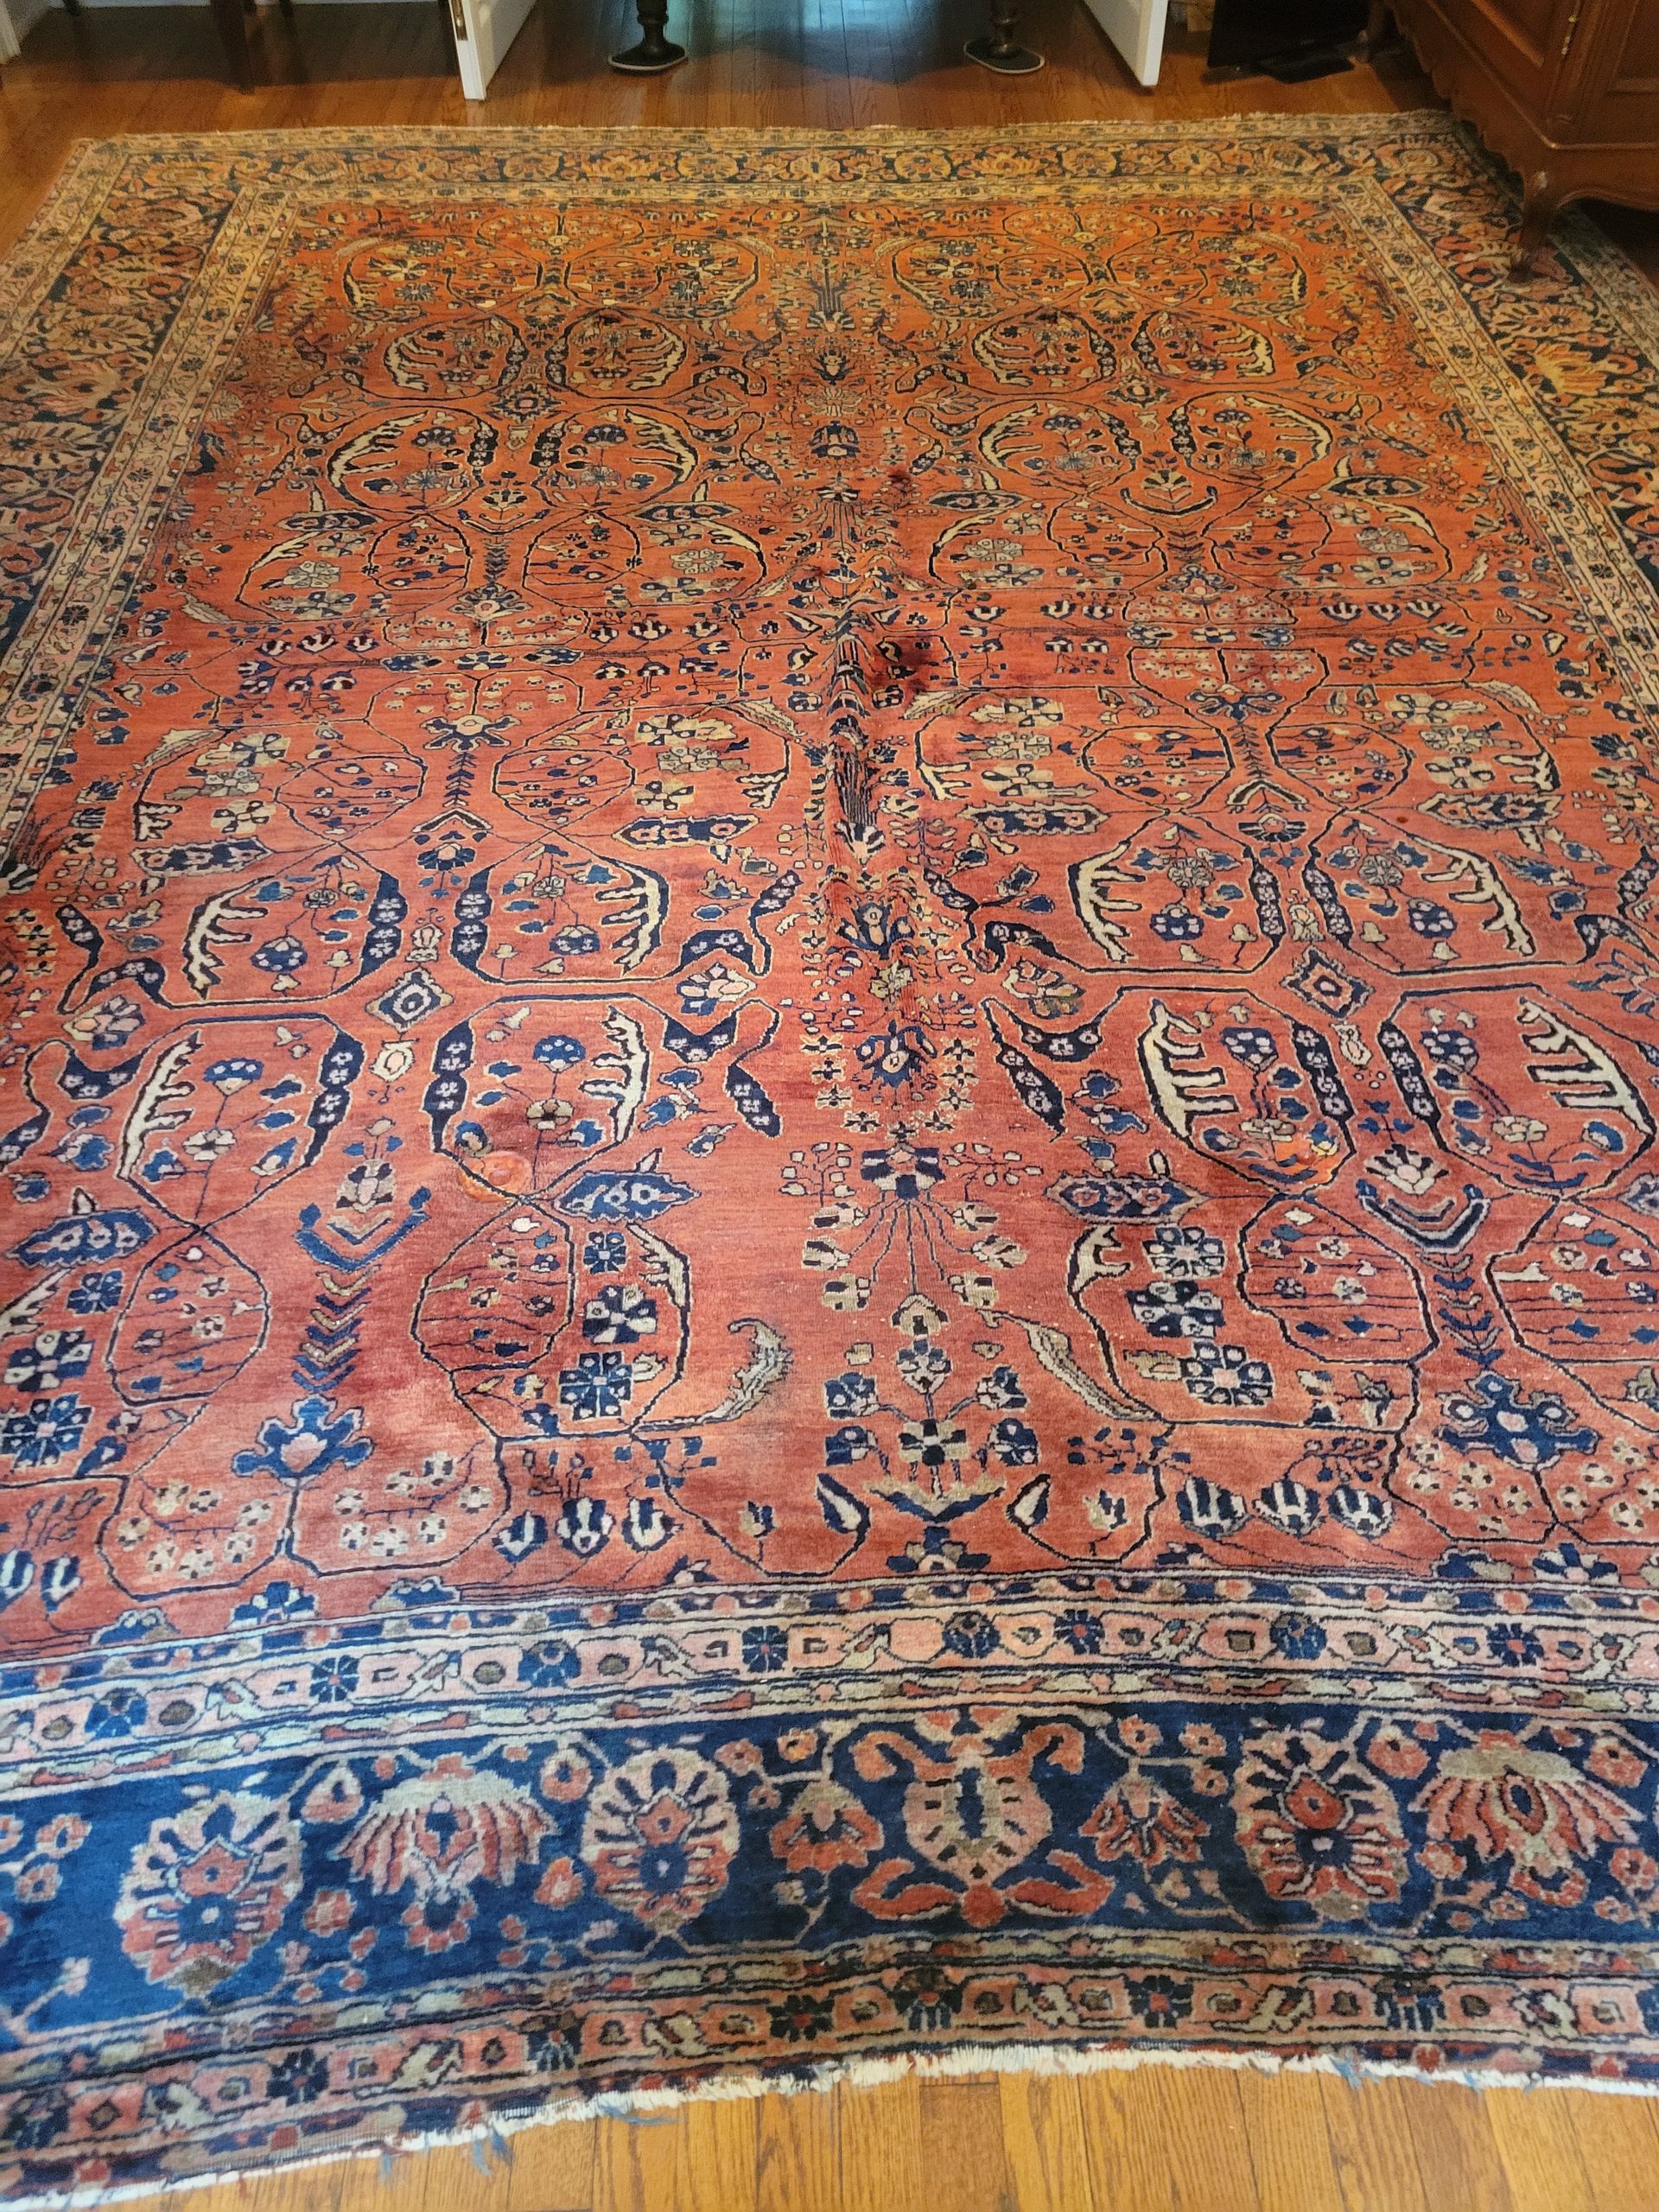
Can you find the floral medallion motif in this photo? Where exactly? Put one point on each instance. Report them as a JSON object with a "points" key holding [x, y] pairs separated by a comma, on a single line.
{"points": [[207, 1888], [660, 1836]]}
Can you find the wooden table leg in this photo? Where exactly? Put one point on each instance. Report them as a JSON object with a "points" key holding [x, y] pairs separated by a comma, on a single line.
{"points": [[1380, 30], [998, 49], [654, 52], [1539, 209], [234, 36]]}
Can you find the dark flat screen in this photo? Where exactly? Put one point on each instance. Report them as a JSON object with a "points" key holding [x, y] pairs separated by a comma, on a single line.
{"points": [[1246, 32]]}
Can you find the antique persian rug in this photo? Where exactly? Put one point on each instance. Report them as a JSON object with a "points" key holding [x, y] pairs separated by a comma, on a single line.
{"points": [[832, 1226]]}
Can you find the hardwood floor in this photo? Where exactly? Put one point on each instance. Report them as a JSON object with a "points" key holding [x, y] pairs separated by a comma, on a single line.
{"points": [[1151, 2140]]}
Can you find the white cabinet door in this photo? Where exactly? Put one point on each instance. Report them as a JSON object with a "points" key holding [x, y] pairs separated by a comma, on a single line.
{"points": [[1136, 29], [484, 30]]}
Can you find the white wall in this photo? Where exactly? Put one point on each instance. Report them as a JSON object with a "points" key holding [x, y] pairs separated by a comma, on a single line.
{"points": [[17, 19]]}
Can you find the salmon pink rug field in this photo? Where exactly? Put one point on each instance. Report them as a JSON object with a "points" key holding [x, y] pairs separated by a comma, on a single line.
{"points": [[828, 1106]]}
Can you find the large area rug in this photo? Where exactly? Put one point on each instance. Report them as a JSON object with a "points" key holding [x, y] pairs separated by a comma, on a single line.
{"points": [[829, 1108]]}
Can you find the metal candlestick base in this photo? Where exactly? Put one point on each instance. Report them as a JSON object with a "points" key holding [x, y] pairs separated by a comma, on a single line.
{"points": [[650, 58], [1018, 62]]}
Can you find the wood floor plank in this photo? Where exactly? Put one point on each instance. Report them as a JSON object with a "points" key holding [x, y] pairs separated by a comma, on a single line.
{"points": [[551, 2169], [1617, 2140], [1289, 2143], [797, 2162], [1169, 2139], [1369, 2126], [1044, 2142], [1541, 2154], [636, 2161], [1452, 2138], [879, 2132], [1556, 2148], [962, 2147], [717, 2144]]}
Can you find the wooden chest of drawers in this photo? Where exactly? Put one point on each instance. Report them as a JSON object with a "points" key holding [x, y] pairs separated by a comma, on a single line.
{"points": [[1567, 90]]}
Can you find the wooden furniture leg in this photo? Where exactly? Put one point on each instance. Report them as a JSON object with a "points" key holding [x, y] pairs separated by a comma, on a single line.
{"points": [[655, 52], [1538, 211], [234, 36], [998, 49], [1579, 119]]}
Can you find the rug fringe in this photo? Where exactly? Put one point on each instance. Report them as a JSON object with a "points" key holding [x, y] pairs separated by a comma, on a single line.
{"points": [[491, 2143]]}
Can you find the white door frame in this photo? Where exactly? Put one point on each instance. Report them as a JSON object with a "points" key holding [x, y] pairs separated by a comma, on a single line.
{"points": [[17, 19], [484, 30], [1136, 29]]}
